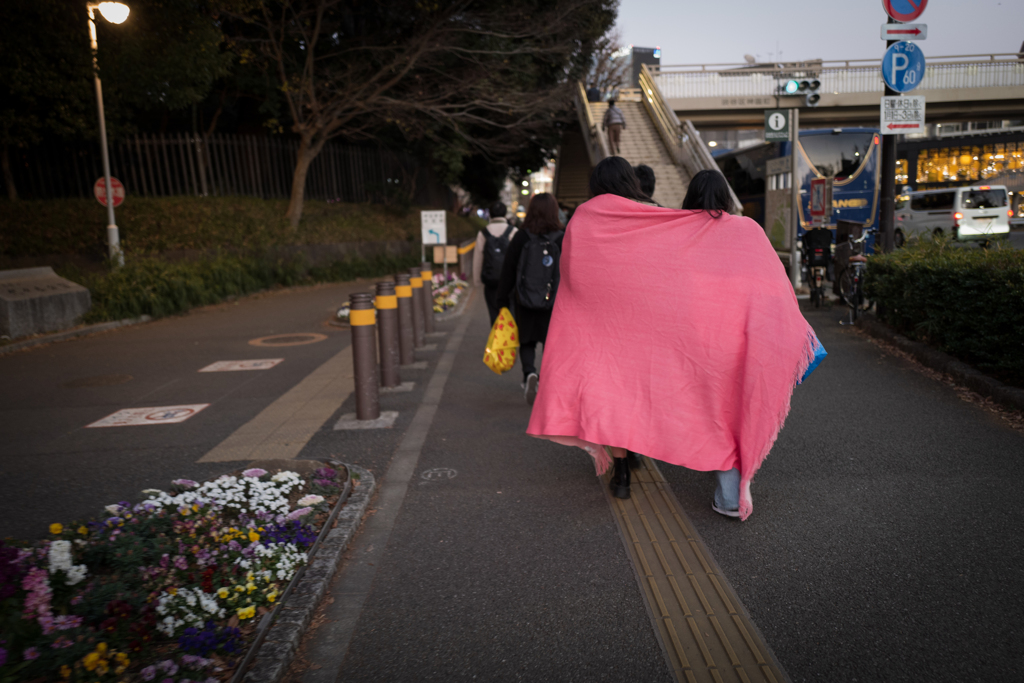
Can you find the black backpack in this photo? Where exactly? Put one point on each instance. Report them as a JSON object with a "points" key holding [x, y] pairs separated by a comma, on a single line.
{"points": [[538, 274], [494, 256]]}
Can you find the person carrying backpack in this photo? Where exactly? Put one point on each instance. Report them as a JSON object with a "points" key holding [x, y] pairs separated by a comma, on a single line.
{"points": [[530, 277], [492, 244]]}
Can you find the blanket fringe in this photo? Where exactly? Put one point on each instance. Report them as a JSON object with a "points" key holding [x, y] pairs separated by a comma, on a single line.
{"points": [[746, 501]]}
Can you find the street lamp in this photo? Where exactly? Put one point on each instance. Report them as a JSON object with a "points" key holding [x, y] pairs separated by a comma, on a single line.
{"points": [[115, 13]]}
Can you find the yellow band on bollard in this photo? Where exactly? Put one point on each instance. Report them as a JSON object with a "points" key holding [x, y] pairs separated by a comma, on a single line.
{"points": [[427, 275], [416, 282], [403, 291], [387, 301], [366, 316], [468, 248]]}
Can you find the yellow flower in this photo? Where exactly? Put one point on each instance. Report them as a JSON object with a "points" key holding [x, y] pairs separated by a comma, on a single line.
{"points": [[83, 530], [65, 671], [56, 528], [271, 597], [122, 658], [172, 590], [246, 612], [101, 649], [91, 660], [250, 587], [239, 588], [222, 593], [253, 536], [195, 508]]}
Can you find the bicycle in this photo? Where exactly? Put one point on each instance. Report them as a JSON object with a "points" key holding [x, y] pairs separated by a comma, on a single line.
{"points": [[816, 258], [851, 280]]}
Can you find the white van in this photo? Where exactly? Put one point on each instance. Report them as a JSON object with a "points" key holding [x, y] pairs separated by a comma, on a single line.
{"points": [[980, 213]]}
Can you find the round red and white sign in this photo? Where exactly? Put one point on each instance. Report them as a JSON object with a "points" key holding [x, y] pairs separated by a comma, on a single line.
{"points": [[904, 10], [116, 189]]}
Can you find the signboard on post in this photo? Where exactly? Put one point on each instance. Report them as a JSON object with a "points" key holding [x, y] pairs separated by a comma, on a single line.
{"points": [[116, 191], [903, 66], [776, 124], [904, 10], [904, 31], [821, 200], [902, 114]]}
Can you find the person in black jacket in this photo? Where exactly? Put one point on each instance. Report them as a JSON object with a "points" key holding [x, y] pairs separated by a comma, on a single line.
{"points": [[541, 219]]}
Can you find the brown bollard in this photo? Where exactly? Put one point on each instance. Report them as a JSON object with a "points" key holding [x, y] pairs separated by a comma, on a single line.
{"points": [[417, 306], [406, 332], [428, 297], [363, 319], [386, 303]]}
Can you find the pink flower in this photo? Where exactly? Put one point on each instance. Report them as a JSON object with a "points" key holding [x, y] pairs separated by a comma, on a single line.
{"points": [[62, 642], [254, 472], [298, 514], [30, 654], [37, 602]]}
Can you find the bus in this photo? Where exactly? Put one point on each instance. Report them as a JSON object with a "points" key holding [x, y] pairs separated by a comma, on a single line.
{"points": [[760, 176]]}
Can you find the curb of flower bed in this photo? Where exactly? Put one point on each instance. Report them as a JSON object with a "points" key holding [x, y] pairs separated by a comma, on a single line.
{"points": [[963, 374], [73, 333], [282, 629], [460, 307]]}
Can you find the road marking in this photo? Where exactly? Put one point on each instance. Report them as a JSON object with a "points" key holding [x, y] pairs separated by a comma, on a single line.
{"points": [[296, 339], [233, 365], [133, 417], [283, 428], [704, 631], [439, 473]]}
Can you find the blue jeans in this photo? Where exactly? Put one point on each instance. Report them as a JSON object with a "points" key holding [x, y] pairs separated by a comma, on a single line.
{"points": [[727, 493]]}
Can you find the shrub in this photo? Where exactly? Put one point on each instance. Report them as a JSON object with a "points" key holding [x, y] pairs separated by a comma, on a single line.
{"points": [[967, 302]]}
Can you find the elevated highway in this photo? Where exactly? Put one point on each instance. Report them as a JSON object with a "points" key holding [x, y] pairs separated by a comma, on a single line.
{"points": [[956, 88]]}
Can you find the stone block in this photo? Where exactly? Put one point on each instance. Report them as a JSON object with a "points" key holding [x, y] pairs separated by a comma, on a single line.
{"points": [[37, 300]]}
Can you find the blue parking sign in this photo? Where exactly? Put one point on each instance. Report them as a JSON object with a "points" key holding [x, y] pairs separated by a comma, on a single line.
{"points": [[903, 66]]}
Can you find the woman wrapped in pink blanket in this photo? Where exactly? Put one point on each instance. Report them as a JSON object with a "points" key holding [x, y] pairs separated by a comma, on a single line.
{"points": [[675, 334]]}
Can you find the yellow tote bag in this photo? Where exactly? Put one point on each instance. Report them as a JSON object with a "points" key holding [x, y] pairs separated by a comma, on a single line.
{"points": [[500, 354]]}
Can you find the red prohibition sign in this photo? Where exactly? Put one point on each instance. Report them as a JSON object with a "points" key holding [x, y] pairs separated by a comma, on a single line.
{"points": [[904, 10]]}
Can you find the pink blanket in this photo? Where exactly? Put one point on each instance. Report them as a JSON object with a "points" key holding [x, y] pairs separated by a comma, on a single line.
{"points": [[675, 335]]}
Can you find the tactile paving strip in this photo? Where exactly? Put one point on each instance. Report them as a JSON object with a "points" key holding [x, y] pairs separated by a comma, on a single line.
{"points": [[704, 630]]}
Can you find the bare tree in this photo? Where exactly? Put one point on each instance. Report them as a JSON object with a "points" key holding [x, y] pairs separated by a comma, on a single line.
{"points": [[489, 72], [609, 69]]}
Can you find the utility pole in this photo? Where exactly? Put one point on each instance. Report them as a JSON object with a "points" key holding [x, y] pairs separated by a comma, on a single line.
{"points": [[794, 239], [887, 192]]}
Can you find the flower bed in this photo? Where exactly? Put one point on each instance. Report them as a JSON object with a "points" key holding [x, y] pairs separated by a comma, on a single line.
{"points": [[447, 294], [167, 590]]}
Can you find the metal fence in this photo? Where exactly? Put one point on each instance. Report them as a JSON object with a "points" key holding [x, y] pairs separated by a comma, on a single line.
{"points": [[851, 76], [223, 164]]}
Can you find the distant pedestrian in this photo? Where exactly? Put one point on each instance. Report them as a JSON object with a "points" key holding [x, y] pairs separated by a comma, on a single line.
{"points": [[657, 345], [593, 93], [614, 122], [492, 245], [645, 174], [530, 278]]}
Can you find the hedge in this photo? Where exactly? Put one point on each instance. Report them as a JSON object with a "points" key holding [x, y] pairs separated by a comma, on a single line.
{"points": [[157, 288], [967, 302]]}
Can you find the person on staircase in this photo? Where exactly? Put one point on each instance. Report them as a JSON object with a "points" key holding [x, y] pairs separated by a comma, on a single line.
{"points": [[614, 122], [531, 275], [489, 255]]}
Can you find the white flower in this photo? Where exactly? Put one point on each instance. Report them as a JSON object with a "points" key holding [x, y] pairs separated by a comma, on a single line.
{"points": [[311, 499], [59, 557]]}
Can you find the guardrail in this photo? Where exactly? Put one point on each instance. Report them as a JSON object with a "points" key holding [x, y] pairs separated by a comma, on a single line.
{"points": [[955, 72], [681, 138], [597, 144]]}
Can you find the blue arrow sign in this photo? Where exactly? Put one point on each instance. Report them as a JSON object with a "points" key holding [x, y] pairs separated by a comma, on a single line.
{"points": [[903, 66], [436, 235]]}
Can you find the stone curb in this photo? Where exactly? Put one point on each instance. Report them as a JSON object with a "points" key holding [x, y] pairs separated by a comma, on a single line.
{"points": [[72, 334], [963, 374], [282, 641]]}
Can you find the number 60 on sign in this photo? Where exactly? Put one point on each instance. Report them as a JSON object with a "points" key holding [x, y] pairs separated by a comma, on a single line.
{"points": [[903, 66]]}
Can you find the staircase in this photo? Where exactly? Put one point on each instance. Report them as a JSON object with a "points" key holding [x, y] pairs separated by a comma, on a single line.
{"points": [[653, 136], [641, 144]]}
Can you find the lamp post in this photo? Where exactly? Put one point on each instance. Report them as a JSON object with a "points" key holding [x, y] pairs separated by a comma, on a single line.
{"points": [[115, 13]]}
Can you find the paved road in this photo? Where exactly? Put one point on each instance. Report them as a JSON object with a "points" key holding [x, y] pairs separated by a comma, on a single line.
{"points": [[884, 544]]}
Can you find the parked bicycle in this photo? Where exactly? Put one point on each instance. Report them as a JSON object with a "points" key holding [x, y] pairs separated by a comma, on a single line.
{"points": [[817, 255], [851, 280]]}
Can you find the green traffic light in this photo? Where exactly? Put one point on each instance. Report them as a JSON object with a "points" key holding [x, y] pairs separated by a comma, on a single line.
{"points": [[792, 87]]}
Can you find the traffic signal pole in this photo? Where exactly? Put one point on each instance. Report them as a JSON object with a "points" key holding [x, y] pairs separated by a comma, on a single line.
{"points": [[887, 193]]}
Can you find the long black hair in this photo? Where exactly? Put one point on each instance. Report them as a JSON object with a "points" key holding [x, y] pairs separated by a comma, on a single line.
{"points": [[614, 175], [708, 191]]}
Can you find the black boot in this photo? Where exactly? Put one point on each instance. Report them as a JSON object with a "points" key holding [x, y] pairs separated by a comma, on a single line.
{"points": [[620, 479], [633, 459]]}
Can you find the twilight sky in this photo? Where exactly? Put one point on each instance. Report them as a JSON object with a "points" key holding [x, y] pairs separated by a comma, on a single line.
{"points": [[691, 32]]}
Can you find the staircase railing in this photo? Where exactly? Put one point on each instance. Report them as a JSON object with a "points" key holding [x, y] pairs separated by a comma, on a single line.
{"points": [[597, 144], [684, 144]]}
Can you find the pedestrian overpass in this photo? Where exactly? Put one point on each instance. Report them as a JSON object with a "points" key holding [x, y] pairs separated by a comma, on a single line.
{"points": [[956, 88]]}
